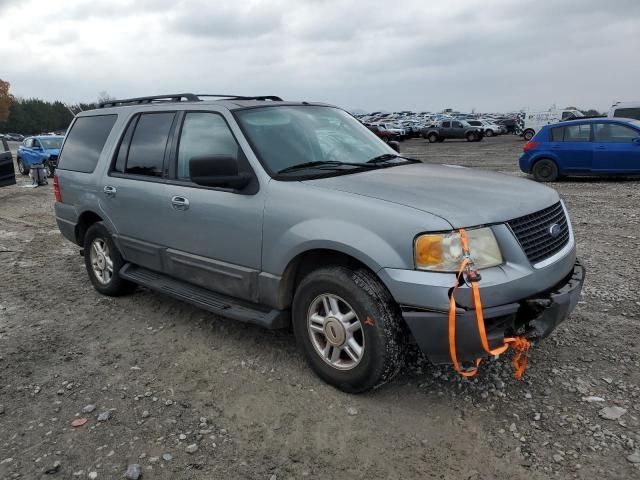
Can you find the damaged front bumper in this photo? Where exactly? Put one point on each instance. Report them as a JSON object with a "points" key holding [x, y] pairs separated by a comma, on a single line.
{"points": [[534, 317]]}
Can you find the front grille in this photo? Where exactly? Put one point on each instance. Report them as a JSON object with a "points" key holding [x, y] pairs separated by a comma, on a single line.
{"points": [[533, 232]]}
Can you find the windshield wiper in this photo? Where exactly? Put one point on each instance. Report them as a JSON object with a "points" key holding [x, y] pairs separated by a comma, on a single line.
{"points": [[323, 163], [386, 157]]}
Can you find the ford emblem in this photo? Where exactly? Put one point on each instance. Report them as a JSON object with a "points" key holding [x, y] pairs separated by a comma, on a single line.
{"points": [[555, 230]]}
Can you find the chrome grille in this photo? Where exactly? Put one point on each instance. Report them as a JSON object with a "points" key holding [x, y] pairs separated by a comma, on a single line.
{"points": [[533, 232]]}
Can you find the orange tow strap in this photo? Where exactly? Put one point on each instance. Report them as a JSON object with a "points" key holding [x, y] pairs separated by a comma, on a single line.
{"points": [[520, 344]]}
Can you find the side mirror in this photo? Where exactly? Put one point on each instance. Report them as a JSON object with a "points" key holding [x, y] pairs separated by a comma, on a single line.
{"points": [[395, 145], [217, 171]]}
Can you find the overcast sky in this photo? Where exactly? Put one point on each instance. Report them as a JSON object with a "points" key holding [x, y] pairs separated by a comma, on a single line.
{"points": [[491, 55]]}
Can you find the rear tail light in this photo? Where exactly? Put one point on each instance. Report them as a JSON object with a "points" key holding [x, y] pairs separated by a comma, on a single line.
{"points": [[56, 189], [529, 145]]}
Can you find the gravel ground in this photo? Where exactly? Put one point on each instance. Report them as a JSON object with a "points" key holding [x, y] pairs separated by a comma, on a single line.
{"points": [[186, 395]]}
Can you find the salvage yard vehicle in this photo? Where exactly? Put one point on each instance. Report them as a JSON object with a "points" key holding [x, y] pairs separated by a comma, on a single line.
{"points": [[605, 146], [43, 150], [448, 129], [7, 173], [530, 123], [241, 206], [625, 110]]}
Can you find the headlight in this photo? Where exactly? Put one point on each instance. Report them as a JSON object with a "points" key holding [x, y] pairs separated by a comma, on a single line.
{"points": [[442, 252]]}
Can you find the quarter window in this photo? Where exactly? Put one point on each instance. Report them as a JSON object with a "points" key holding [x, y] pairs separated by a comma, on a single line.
{"points": [[557, 134], [614, 133], [148, 144], [84, 144], [204, 134], [577, 133]]}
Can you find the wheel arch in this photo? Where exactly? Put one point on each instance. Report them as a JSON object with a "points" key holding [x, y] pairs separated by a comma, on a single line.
{"points": [[309, 260], [85, 220]]}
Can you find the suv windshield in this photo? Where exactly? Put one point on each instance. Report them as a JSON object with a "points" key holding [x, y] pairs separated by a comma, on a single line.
{"points": [[48, 143], [287, 136]]}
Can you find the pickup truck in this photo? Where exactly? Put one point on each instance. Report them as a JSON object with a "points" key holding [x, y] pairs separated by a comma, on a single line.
{"points": [[448, 129]]}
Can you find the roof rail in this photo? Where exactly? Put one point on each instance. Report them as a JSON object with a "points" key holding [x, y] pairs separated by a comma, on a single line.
{"points": [[180, 97], [273, 98]]}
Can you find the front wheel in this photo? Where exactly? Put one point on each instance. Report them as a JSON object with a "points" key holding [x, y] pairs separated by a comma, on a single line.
{"points": [[471, 137], [545, 170], [349, 328], [103, 262], [489, 133], [21, 168], [528, 135]]}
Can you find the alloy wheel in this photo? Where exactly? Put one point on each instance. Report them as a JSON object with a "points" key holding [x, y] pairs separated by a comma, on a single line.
{"points": [[101, 261]]}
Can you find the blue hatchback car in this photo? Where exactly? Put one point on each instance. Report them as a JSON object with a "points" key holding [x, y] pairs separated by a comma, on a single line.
{"points": [[43, 149], [591, 146]]}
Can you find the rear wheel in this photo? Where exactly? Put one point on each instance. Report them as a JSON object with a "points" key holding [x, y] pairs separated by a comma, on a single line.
{"points": [[103, 262], [21, 168], [349, 328], [528, 135], [471, 137], [545, 170], [432, 137]]}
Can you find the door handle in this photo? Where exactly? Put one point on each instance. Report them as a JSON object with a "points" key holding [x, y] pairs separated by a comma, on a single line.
{"points": [[180, 203], [109, 191]]}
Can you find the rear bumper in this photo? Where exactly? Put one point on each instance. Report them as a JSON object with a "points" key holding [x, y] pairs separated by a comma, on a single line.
{"points": [[534, 317]]}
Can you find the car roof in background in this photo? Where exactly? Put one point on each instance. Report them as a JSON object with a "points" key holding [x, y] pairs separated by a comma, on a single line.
{"points": [[578, 121]]}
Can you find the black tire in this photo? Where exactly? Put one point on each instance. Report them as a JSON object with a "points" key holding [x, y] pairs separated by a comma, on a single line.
{"points": [[471, 137], [432, 137], [117, 285], [21, 168], [51, 170], [489, 133], [382, 327], [528, 135], [545, 170]]}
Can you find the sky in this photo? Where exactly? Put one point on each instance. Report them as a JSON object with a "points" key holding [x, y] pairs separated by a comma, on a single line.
{"points": [[488, 55]]}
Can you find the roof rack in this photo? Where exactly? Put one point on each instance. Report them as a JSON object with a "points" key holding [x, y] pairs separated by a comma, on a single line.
{"points": [[181, 97]]}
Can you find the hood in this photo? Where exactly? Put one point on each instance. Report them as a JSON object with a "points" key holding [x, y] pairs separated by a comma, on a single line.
{"points": [[464, 197]]}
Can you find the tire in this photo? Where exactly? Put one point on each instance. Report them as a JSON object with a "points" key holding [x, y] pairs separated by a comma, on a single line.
{"points": [[51, 170], [377, 323], [545, 170], [489, 133], [528, 135], [114, 285], [21, 168], [432, 137], [471, 137]]}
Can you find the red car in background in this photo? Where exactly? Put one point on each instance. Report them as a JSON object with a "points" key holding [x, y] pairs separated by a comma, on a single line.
{"points": [[383, 134]]}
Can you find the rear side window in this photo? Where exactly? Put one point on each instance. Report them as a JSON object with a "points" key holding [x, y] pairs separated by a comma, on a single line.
{"points": [[84, 143], [143, 146], [577, 133], [627, 113]]}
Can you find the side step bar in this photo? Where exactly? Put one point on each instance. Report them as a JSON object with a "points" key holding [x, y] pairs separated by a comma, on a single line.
{"points": [[201, 297]]}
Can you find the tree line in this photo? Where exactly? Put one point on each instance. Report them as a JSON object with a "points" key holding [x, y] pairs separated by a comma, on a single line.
{"points": [[30, 116]]}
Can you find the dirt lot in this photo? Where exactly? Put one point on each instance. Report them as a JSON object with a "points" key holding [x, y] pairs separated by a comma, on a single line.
{"points": [[176, 379]]}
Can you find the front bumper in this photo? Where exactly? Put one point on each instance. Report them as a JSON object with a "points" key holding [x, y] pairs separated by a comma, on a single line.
{"points": [[534, 317]]}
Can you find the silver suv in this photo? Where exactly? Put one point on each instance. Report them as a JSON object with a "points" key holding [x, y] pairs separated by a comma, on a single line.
{"points": [[281, 213]]}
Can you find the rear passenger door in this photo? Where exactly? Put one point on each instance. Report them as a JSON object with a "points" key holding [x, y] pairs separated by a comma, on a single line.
{"points": [[216, 234], [7, 172], [573, 147], [614, 148], [134, 191]]}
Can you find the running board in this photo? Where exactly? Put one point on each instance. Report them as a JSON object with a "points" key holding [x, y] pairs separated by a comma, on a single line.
{"points": [[201, 297]]}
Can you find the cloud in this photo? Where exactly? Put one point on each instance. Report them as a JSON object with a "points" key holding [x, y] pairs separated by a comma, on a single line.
{"points": [[372, 54]]}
